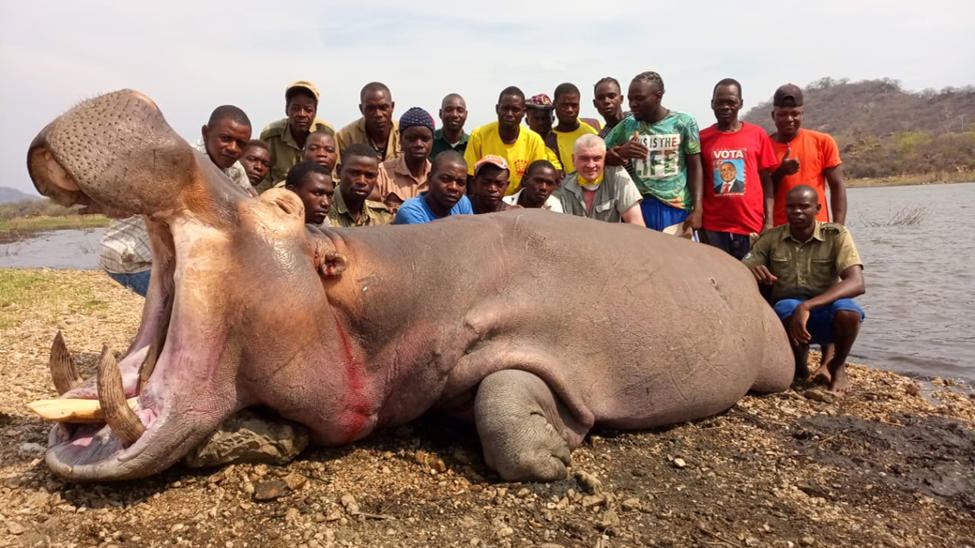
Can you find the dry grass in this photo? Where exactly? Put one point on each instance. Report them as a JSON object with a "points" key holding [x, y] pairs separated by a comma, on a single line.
{"points": [[907, 216]]}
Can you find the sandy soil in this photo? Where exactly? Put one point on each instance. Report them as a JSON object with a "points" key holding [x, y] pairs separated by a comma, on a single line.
{"points": [[892, 464]]}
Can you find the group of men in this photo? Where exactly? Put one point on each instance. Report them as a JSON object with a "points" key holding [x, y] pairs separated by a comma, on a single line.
{"points": [[764, 202]]}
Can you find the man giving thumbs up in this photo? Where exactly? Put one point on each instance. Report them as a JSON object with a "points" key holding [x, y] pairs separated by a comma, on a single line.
{"points": [[806, 158]]}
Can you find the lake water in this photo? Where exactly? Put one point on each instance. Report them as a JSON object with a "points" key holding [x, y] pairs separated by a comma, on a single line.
{"points": [[920, 300], [61, 249]]}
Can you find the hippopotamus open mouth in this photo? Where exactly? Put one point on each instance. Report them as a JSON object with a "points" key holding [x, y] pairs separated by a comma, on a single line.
{"points": [[536, 326], [117, 155]]}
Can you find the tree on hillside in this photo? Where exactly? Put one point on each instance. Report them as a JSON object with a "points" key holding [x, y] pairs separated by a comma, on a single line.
{"points": [[883, 130]]}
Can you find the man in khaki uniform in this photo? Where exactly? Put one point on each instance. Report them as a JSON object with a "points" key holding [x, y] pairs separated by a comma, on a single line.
{"points": [[376, 128], [815, 272], [285, 138], [358, 174]]}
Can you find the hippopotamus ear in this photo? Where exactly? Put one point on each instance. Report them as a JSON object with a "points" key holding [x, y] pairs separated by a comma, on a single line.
{"points": [[331, 263]]}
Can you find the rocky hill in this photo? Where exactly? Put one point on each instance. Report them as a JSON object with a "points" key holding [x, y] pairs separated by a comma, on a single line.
{"points": [[8, 195], [884, 130]]}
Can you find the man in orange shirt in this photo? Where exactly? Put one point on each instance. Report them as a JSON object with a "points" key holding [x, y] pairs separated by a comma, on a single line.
{"points": [[806, 158]]}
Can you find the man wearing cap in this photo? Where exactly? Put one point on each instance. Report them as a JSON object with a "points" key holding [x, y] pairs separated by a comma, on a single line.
{"points": [[445, 197], [376, 128], [224, 138], [540, 116], [453, 115], [405, 177], [507, 139], [599, 192], [563, 137], [285, 138], [805, 158], [490, 183]]}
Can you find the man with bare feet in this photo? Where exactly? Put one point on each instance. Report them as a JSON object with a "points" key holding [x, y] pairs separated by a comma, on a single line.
{"points": [[815, 272]]}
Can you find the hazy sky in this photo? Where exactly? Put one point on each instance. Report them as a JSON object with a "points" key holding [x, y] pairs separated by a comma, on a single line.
{"points": [[192, 56]]}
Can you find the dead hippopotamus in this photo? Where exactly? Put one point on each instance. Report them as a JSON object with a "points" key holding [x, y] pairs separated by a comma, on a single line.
{"points": [[536, 326]]}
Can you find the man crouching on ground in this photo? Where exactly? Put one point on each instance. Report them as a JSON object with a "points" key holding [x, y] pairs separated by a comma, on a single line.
{"points": [[815, 272]]}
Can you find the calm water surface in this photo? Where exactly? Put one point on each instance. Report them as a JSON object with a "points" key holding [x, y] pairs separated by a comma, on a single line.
{"points": [[920, 285], [61, 249]]}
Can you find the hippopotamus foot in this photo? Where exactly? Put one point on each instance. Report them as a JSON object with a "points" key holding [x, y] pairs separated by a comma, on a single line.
{"points": [[525, 431]]}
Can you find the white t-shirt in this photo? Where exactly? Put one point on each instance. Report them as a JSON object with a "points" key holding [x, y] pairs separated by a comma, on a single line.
{"points": [[551, 204]]}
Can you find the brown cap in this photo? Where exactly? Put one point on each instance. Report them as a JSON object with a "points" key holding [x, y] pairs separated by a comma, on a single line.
{"points": [[301, 84], [789, 93]]}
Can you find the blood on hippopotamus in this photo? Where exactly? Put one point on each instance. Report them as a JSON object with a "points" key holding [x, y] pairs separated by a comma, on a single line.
{"points": [[356, 404]]}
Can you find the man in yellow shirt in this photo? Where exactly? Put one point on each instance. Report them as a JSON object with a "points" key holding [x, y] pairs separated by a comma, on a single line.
{"points": [[506, 138], [563, 136]]}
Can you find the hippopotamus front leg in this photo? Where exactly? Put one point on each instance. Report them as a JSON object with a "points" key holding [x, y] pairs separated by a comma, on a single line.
{"points": [[526, 433]]}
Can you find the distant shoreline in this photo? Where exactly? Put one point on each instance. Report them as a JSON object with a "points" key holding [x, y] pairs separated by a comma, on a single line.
{"points": [[940, 178], [19, 228]]}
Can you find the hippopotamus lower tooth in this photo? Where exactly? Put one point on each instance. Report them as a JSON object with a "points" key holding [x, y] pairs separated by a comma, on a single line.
{"points": [[64, 372], [121, 419]]}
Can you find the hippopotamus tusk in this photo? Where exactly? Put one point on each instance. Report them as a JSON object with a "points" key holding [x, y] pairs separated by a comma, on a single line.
{"points": [[64, 372], [121, 419]]}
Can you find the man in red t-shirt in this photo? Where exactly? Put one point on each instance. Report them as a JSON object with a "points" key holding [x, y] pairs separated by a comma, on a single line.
{"points": [[738, 196], [806, 158]]}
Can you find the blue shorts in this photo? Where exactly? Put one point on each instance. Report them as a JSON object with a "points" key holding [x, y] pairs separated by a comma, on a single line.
{"points": [[820, 324], [658, 215], [138, 282]]}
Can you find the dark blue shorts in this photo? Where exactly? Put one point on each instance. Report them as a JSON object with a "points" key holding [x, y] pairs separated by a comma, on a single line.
{"points": [[820, 324], [138, 282], [658, 215]]}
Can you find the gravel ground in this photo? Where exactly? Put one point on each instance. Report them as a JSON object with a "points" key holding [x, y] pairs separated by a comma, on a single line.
{"points": [[892, 464]]}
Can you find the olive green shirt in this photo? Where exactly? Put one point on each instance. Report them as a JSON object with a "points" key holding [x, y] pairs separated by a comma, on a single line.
{"points": [[356, 133], [804, 270], [372, 214], [440, 144], [285, 152]]}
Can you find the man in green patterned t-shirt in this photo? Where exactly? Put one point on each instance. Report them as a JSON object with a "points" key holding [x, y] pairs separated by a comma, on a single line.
{"points": [[664, 153]]}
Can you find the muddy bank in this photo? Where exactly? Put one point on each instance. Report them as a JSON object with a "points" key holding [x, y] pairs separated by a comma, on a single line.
{"points": [[889, 465]]}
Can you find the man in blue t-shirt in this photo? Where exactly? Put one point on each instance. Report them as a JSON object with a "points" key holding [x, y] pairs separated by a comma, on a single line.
{"points": [[447, 184]]}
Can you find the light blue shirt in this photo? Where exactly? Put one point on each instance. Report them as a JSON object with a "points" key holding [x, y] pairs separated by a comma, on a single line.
{"points": [[415, 211]]}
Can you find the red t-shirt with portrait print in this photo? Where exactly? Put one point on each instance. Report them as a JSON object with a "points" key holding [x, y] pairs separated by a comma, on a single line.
{"points": [[733, 195]]}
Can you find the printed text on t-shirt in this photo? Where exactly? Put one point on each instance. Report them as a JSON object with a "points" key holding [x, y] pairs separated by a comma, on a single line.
{"points": [[664, 157]]}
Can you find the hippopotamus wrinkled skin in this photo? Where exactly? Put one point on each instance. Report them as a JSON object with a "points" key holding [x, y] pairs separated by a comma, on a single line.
{"points": [[537, 326]]}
